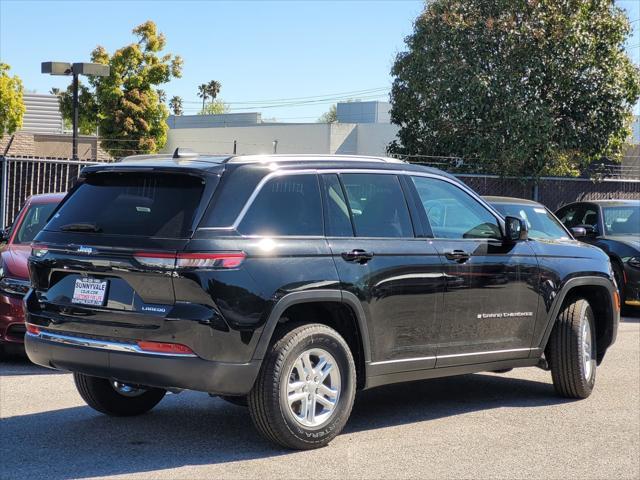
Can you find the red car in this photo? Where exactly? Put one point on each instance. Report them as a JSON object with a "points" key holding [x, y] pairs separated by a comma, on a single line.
{"points": [[14, 274]]}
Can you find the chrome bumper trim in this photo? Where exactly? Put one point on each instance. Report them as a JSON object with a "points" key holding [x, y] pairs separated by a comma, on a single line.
{"points": [[102, 344]]}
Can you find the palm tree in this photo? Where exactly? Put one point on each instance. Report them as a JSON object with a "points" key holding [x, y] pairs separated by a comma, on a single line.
{"points": [[208, 90], [203, 93], [175, 104]]}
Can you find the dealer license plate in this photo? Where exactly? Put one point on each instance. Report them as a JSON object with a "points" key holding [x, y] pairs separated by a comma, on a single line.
{"points": [[89, 291]]}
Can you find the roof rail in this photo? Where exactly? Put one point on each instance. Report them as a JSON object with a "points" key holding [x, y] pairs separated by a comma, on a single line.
{"points": [[310, 158]]}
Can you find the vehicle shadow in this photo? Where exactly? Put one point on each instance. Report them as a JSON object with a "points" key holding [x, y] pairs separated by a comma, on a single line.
{"points": [[420, 401], [14, 365], [193, 429]]}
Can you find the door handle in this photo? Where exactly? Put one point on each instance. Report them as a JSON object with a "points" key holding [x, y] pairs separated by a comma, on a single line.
{"points": [[459, 256], [357, 256]]}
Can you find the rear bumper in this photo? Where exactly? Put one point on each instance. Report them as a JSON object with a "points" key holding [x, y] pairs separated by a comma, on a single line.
{"points": [[11, 319], [164, 371]]}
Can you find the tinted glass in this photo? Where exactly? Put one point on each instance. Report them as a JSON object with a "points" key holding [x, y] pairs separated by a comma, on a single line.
{"points": [[540, 222], [575, 215], [34, 220], [622, 220], [337, 220], [452, 213], [287, 205], [150, 205], [378, 206]]}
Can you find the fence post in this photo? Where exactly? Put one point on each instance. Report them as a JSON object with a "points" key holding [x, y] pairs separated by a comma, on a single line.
{"points": [[3, 192], [536, 192]]}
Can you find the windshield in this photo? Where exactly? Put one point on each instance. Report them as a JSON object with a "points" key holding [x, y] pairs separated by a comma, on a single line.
{"points": [[541, 223], [141, 204], [35, 218], [623, 220]]}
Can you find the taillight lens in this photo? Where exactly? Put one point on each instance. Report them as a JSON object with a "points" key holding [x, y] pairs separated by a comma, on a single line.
{"points": [[156, 260], [210, 260], [39, 251], [161, 347], [32, 329], [191, 260]]}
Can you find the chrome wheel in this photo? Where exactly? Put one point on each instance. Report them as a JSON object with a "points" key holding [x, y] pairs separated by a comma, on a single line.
{"points": [[587, 350], [127, 390], [313, 387]]}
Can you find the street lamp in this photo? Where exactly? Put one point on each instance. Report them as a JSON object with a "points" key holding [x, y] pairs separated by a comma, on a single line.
{"points": [[75, 69]]}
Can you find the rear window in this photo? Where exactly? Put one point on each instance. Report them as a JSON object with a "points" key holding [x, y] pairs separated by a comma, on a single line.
{"points": [[150, 205]]}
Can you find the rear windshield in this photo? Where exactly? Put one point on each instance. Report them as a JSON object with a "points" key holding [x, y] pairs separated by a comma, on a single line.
{"points": [[139, 204]]}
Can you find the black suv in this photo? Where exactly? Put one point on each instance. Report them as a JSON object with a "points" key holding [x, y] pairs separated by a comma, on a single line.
{"points": [[289, 282]]}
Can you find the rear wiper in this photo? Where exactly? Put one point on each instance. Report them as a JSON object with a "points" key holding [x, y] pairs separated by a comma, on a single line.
{"points": [[81, 227]]}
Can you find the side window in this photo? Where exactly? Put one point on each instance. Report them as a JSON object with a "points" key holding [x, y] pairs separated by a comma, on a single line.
{"points": [[337, 218], [581, 214], [378, 206], [452, 213], [286, 205]]}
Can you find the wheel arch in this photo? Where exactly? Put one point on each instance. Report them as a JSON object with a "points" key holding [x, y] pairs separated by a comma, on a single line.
{"points": [[342, 310], [600, 293]]}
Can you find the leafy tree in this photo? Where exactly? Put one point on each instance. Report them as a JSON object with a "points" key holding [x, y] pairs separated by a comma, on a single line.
{"points": [[208, 90], [330, 116], [11, 104], [214, 107], [516, 87], [127, 107], [175, 104]]}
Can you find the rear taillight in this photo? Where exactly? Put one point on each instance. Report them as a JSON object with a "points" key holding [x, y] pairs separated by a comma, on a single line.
{"points": [[39, 250], [161, 347], [32, 329], [210, 260], [190, 260]]}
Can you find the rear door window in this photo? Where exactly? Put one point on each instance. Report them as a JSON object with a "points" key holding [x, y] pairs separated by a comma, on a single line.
{"points": [[137, 204], [286, 205], [337, 217], [378, 205]]}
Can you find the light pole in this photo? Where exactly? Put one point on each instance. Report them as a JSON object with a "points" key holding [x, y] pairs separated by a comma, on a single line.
{"points": [[75, 69]]}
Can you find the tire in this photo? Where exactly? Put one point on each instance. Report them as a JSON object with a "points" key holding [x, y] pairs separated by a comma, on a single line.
{"points": [[101, 395], [269, 407], [572, 341], [239, 401]]}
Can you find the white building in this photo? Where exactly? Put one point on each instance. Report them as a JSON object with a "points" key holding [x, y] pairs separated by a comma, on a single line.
{"points": [[363, 128]]}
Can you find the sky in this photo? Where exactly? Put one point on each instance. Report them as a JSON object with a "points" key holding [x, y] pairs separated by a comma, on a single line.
{"points": [[260, 51]]}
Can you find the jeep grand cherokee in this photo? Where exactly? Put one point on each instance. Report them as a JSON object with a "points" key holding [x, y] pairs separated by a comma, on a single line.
{"points": [[290, 282]]}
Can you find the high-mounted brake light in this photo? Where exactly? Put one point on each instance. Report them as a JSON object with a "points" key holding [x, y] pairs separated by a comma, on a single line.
{"points": [[162, 347], [190, 260], [39, 250]]}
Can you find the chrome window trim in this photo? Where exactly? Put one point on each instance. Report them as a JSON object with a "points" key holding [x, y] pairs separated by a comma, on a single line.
{"points": [[102, 344], [306, 171]]}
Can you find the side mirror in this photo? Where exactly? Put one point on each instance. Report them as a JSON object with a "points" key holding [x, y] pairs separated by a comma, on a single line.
{"points": [[590, 230], [516, 229], [579, 232], [5, 234]]}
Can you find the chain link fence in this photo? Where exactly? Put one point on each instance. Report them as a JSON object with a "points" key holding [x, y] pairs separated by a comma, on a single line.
{"points": [[22, 177]]}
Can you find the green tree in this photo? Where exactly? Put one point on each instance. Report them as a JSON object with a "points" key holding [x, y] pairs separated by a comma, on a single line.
{"points": [[330, 116], [516, 87], [127, 107], [214, 107], [175, 104], [11, 104]]}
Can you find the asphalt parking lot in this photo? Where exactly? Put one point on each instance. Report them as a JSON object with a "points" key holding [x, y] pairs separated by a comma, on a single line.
{"points": [[476, 426]]}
